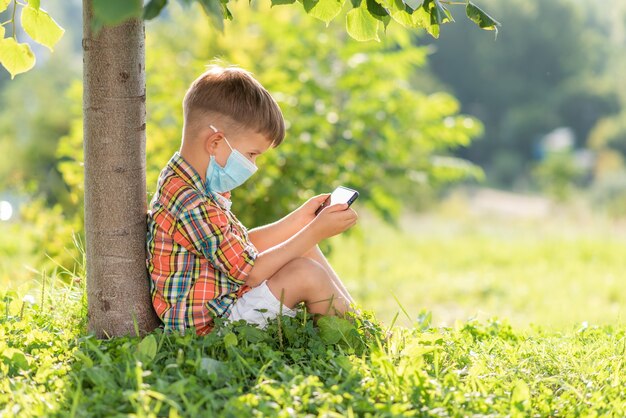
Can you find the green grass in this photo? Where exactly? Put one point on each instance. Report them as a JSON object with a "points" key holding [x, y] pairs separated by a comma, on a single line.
{"points": [[562, 276], [50, 367], [555, 274]]}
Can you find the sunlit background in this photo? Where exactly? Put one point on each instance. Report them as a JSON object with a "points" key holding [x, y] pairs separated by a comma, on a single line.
{"points": [[491, 168]]}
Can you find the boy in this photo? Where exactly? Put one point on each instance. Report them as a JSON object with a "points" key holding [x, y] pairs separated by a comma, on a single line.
{"points": [[202, 261]]}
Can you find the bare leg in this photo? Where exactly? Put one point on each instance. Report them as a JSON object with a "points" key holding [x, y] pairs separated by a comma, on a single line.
{"points": [[305, 280], [316, 254]]}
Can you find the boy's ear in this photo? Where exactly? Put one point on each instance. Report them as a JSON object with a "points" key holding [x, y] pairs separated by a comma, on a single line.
{"points": [[211, 141]]}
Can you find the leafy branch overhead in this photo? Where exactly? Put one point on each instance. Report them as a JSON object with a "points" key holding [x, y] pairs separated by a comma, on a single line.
{"points": [[18, 57], [363, 22]]}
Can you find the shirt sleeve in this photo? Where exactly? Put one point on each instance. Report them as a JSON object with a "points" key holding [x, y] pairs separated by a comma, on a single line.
{"points": [[210, 234]]}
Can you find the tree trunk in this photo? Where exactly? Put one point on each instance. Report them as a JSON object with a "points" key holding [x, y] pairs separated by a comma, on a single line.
{"points": [[114, 116]]}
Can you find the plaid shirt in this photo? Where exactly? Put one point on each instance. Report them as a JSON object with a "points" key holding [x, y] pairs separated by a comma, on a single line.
{"points": [[199, 254]]}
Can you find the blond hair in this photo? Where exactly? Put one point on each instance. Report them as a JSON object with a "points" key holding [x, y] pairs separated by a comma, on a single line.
{"points": [[233, 92]]}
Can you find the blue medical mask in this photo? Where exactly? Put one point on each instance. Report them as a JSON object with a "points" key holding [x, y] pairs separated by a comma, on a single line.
{"points": [[237, 170]]}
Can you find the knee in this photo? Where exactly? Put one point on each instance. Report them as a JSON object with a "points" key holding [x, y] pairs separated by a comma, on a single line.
{"points": [[298, 279], [304, 274], [306, 269]]}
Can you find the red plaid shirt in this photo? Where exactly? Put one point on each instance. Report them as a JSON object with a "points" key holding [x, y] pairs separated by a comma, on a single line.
{"points": [[199, 254]]}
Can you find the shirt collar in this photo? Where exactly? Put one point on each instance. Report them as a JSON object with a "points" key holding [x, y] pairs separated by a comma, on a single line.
{"points": [[185, 171]]}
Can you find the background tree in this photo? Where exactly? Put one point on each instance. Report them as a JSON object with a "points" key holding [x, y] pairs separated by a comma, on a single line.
{"points": [[114, 125]]}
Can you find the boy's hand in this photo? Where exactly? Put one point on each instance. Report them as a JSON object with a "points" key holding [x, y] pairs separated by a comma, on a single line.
{"points": [[306, 212], [334, 220]]}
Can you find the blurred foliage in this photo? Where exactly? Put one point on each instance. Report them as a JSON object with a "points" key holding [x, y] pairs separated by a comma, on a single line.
{"points": [[33, 116], [609, 136], [609, 193], [554, 64], [52, 234], [610, 133], [39, 242], [353, 116], [557, 174]]}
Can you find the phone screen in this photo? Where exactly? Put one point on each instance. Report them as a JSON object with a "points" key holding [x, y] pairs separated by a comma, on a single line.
{"points": [[339, 195]]}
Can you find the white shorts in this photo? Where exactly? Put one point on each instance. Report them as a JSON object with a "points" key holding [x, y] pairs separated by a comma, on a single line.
{"points": [[257, 306]]}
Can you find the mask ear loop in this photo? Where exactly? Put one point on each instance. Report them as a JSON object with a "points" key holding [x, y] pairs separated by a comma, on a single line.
{"points": [[216, 131]]}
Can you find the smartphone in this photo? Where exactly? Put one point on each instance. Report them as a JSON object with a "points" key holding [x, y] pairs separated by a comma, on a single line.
{"points": [[339, 195]]}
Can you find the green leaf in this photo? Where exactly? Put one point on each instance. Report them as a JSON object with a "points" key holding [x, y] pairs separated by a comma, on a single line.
{"points": [[482, 19], [356, 3], [113, 12], [227, 14], [16, 58], [34, 4], [520, 395], [376, 9], [324, 10], [439, 14], [400, 12], [41, 27], [429, 15], [403, 18], [423, 19], [4, 4], [99, 377], [16, 358], [378, 12], [252, 334], [344, 363], [153, 9], [230, 340], [413, 4], [333, 329], [361, 25], [148, 347], [215, 12], [212, 366], [279, 2]]}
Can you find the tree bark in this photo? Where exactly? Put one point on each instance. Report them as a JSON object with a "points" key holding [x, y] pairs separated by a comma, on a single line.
{"points": [[114, 116]]}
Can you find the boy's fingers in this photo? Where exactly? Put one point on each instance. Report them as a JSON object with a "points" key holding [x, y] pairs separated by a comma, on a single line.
{"points": [[345, 217], [349, 224], [338, 207], [320, 198], [349, 214]]}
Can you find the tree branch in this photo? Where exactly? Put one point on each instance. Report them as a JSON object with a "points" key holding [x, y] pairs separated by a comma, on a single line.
{"points": [[13, 18]]}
